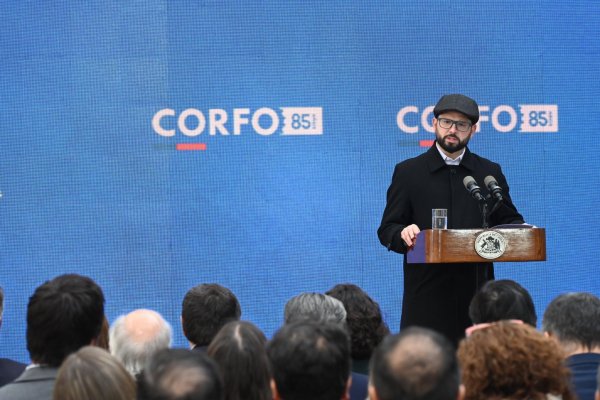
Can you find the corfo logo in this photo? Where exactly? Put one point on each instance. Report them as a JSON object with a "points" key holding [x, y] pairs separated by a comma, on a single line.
{"points": [[503, 118], [264, 121]]}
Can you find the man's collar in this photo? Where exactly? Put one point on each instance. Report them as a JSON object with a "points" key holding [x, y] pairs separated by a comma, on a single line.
{"points": [[435, 160], [447, 159], [38, 373]]}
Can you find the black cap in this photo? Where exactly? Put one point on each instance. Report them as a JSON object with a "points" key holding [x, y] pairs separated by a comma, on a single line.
{"points": [[460, 103]]}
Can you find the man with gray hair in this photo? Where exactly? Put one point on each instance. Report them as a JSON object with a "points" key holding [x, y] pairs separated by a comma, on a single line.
{"points": [[315, 307], [137, 336], [573, 320], [322, 308], [9, 369]]}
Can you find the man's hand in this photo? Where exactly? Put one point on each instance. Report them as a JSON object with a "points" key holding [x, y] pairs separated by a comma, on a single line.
{"points": [[409, 234]]}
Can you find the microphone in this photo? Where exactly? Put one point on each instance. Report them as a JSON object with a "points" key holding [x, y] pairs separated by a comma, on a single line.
{"points": [[493, 187], [473, 188]]}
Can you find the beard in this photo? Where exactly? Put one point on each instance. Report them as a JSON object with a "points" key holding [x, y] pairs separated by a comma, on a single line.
{"points": [[452, 147]]}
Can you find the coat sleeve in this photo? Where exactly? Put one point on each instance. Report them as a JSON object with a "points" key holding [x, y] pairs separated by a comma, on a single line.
{"points": [[396, 215]]}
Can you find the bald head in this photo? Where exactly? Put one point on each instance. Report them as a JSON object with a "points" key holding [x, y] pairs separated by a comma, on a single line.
{"points": [[416, 364], [143, 325], [137, 336], [418, 359]]}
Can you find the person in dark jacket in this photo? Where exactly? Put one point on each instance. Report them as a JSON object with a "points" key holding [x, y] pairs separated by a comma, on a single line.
{"points": [[9, 369], [324, 309], [572, 320], [63, 315], [310, 359], [437, 296]]}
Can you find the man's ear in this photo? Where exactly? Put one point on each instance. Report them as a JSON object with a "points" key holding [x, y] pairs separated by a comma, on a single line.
{"points": [[550, 336], [346, 395], [275, 393], [190, 344], [461, 392], [372, 393]]}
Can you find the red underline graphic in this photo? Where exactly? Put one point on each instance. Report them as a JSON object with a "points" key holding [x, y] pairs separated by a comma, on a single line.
{"points": [[425, 143], [190, 146]]}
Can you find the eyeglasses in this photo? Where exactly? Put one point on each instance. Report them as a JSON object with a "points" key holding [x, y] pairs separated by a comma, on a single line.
{"points": [[461, 126]]}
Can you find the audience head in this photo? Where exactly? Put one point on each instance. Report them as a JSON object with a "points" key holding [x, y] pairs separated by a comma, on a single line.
{"points": [[92, 373], [239, 351], [310, 360], [135, 337], [314, 307], [179, 374], [206, 308], [502, 300], [363, 317], [63, 315], [573, 319], [417, 364], [512, 361]]}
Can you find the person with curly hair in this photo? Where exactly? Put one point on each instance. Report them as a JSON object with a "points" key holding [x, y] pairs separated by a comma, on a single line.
{"points": [[507, 360], [365, 323]]}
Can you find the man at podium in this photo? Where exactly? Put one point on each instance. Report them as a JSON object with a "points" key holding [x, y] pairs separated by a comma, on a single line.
{"points": [[437, 296]]}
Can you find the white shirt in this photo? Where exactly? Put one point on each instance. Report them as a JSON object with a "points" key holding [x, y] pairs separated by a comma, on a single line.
{"points": [[448, 160]]}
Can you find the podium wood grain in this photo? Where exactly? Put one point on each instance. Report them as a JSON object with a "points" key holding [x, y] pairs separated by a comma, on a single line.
{"points": [[458, 245]]}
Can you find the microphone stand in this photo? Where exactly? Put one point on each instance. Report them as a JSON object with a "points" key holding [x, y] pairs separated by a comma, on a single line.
{"points": [[483, 207], [481, 272], [497, 205]]}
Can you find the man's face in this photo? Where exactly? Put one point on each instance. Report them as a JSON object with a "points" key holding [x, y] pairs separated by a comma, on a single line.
{"points": [[454, 138]]}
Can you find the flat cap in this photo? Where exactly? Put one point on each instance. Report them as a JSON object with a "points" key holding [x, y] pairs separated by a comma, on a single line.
{"points": [[460, 103]]}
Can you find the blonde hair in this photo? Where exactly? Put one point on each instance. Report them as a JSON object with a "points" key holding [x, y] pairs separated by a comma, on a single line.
{"points": [[93, 374]]}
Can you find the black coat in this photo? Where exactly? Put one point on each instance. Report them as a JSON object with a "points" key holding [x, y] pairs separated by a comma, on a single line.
{"points": [[437, 296]]}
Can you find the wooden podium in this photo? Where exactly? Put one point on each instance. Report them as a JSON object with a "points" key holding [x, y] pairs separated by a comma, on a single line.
{"points": [[499, 244]]}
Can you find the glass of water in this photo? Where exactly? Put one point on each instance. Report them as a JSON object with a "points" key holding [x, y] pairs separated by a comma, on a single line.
{"points": [[439, 218]]}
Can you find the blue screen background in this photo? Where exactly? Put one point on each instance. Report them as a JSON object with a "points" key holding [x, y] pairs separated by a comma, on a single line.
{"points": [[89, 186]]}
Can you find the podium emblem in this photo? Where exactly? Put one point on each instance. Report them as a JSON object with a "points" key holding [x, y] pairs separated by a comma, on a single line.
{"points": [[490, 245]]}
